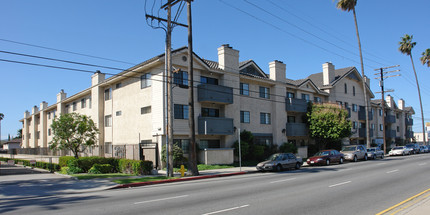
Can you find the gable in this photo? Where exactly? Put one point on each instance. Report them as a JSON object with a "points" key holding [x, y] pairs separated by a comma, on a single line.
{"points": [[251, 68]]}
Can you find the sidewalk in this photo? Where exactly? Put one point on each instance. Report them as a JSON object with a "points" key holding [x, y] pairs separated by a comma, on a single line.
{"points": [[415, 205]]}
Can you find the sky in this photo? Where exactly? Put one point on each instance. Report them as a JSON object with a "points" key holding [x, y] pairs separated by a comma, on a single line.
{"points": [[303, 34]]}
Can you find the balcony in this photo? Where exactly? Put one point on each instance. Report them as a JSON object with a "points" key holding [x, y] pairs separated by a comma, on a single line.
{"points": [[409, 121], [362, 132], [296, 105], [214, 93], [390, 119], [390, 133], [409, 134], [296, 130], [349, 112], [362, 114], [215, 126]]}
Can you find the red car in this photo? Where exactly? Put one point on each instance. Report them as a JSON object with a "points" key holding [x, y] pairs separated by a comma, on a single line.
{"points": [[325, 157]]}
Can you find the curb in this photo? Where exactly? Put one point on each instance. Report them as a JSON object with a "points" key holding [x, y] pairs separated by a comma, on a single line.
{"points": [[406, 203], [139, 184]]}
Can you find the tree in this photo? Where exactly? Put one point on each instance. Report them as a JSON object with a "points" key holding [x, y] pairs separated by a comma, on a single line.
{"points": [[425, 59], [406, 46], [18, 134], [74, 132], [348, 5], [328, 124], [1, 118]]}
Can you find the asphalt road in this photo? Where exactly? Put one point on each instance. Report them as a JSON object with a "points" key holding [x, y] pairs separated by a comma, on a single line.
{"points": [[351, 188]]}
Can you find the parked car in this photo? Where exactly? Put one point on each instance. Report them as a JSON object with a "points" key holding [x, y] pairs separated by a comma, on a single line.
{"points": [[415, 148], [355, 152], [325, 157], [375, 152], [424, 149], [279, 162], [399, 150]]}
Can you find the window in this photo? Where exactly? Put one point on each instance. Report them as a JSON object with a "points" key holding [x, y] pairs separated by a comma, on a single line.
{"points": [[108, 147], [205, 144], [353, 90], [244, 89], [291, 119], [264, 92], [49, 132], [354, 125], [381, 127], [108, 121], [38, 135], [118, 113], [244, 117], [207, 80], [108, 94], [145, 110], [346, 105], [265, 118], [118, 85], [74, 106], [398, 129], [89, 102], [346, 88], [53, 113], [210, 112], [380, 112], [180, 78], [181, 111], [354, 107], [66, 110], [291, 95], [372, 126], [145, 80], [397, 116], [317, 100], [49, 115], [183, 144], [306, 97], [83, 103]]}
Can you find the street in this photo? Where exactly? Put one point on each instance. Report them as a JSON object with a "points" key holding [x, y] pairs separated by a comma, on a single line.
{"points": [[351, 188]]}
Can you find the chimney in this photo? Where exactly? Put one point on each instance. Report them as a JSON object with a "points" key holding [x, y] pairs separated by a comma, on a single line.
{"points": [[34, 110], [228, 58], [43, 105], [97, 78], [401, 104], [328, 73], [26, 114], [61, 96], [367, 80], [277, 71], [389, 100]]}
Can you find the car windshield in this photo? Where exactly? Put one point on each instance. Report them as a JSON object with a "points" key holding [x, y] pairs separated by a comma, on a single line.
{"points": [[322, 153], [349, 148], [371, 150], [397, 148], [410, 146], [274, 157]]}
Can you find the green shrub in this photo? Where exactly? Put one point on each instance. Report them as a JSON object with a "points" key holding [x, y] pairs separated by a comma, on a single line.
{"points": [[288, 148], [135, 166], [244, 148], [101, 169], [64, 160], [74, 170], [64, 170], [258, 152], [178, 155]]}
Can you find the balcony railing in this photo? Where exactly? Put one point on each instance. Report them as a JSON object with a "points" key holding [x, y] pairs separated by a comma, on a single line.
{"points": [[409, 134], [390, 119], [215, 126], [390, 133], [362, 115], [296, 130], [409, 121], [214, 93], [296, 105], [362, 132]]}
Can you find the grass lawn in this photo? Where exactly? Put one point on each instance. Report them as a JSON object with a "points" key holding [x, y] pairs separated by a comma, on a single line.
{"points": [[143, 179], [93, 176]]}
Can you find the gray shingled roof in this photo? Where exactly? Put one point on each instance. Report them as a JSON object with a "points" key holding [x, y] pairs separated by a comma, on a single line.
{"points": [[317, 78]]}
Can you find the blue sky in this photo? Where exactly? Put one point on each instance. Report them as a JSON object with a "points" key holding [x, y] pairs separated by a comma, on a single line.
{"points": [[302, 33]]}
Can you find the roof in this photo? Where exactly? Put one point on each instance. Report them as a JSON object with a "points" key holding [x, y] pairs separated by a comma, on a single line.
{"points": [[317, 78]]}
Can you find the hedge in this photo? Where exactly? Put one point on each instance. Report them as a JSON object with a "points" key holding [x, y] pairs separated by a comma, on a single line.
{"points": [[136, 167], [39, 164], [101, 169]]}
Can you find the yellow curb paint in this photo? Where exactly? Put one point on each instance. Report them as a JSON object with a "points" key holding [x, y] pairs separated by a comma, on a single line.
{"points": [[403, 202], [413, 202]]}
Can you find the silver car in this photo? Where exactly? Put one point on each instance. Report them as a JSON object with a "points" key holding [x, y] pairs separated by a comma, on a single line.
{"points": [[279, 162], [375, 152], [355, 152], [399, 150]]}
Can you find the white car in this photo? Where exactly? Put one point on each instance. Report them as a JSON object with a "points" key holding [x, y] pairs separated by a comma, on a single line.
{"points": [[399, 150]]}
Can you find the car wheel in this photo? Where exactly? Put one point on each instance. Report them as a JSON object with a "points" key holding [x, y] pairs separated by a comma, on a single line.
{"points": [[327, 162], [297, 166], [365, 157], [355, 158], [374, 157], [278, 168], [403, 153], [341, 161], [382, 156]]}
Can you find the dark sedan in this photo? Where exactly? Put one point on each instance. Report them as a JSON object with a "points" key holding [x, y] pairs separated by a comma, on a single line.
{"points": [[325, 157]]}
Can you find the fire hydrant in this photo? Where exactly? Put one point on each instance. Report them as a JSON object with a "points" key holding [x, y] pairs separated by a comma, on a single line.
{"points": [[182, 170]]}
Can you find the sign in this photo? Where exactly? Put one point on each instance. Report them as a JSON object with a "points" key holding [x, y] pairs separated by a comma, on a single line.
{"points": [[11, 162]]}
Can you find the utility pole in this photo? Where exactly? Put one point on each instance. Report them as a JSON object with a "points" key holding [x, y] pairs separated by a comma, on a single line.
{"points": [[381, 84], [192, 161]]}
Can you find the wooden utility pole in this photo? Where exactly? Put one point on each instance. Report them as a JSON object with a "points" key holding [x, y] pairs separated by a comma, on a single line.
{"points": [[381, 84], [192, 161]]}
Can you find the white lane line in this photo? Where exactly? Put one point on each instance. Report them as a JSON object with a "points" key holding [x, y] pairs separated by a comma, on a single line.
{"points": [[289, 179], [392, 171], [334, 185], [157, 200], [380, 164], [422, 164], [225, 210]]}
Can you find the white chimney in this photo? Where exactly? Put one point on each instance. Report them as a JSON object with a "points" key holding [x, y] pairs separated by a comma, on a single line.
{"points": [[277, 71], [228, 58], [328, 73], [61, 96], [401, 104], [34, 110], [43, 105], [389, 100], [97, 78]]}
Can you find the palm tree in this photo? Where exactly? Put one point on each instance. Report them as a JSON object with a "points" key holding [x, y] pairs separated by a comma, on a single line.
{"points": [[406, 46], [425, 59], [1, 118], [348, 5]]}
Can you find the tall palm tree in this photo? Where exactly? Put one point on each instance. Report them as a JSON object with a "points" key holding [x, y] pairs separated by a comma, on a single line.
{"points": [[1, 118], [425, 59], [348, 5], [406, 46]]}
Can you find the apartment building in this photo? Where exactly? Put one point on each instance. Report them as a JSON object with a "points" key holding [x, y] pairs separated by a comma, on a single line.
{"points": [[130, 108]]}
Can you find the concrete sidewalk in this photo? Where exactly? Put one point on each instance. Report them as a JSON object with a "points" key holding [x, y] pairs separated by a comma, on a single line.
{"points": [[415, 205]]}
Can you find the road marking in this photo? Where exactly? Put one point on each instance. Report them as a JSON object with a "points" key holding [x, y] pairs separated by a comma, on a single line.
{"points": [[289, 179], [392, 171], [225, 210], [422, 164], [157, 200], [380, 164], [412, 200], [334, 185]]}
